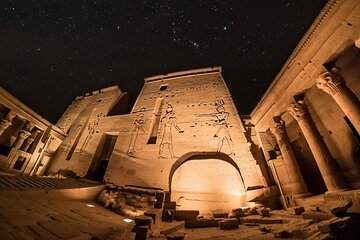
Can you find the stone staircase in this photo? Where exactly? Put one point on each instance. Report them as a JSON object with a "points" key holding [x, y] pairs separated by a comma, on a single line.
{"points": [[42, 183]]}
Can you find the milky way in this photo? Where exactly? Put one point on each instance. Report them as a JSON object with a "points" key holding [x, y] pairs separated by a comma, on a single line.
{"points": [[52, 51]]}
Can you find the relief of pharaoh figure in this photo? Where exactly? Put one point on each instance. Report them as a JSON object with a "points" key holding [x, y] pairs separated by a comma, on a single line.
{"points": [[138, 127], [223, 132], [167, 123]]}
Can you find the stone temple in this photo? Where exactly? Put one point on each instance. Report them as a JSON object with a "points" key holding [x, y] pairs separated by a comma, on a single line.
{"points": [[184, 164]]}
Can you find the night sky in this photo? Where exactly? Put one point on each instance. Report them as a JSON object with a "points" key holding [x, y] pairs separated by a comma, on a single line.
{"points": [[52, 51]]}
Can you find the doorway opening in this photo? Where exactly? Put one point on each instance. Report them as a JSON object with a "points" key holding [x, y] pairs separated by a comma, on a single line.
{"points": [[101, 158], [206, 182]]}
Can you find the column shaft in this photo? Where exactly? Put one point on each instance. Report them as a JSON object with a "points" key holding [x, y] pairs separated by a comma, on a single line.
{"points": [[296, 179], [334, 84], [350, 104], [328, 167]]}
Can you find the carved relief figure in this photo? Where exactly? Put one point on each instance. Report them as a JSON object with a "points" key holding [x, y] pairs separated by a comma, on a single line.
{"points": [[223, 132], [138, 127], [167, 123], [91, 130]]}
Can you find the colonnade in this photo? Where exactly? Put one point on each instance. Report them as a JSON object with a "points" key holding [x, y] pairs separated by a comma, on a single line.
{"points": [[332, 83]]}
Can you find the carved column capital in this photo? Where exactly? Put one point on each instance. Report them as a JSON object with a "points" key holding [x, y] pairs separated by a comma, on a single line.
{"points": [[6, 122], [298, 109], [330, 82], [29, 126], [280, 126], [24, 134]]}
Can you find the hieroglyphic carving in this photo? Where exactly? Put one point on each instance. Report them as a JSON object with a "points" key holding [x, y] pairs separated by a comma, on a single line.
{"points": [[138, 127], [203, 83], [223, 132], [167, 123], [91, 130], [76, 130], [219, 101]]}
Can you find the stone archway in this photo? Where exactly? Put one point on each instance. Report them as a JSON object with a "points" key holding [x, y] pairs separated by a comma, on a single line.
{"points": [[206, 180]]}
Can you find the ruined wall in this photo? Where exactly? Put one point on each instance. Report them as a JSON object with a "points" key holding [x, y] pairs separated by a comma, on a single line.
{"points": [[81, 120]]}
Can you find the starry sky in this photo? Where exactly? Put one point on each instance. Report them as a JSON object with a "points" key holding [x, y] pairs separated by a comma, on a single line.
{"points": [[54, 50]]}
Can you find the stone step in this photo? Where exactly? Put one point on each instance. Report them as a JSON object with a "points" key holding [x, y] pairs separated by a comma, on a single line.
{"points": [[33, 183]]}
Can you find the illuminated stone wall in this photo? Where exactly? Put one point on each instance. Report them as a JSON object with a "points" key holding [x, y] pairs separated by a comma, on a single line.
{"points": [[187, 119], [81, 120]]}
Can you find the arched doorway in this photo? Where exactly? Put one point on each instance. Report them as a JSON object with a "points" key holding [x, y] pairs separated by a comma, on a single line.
{"points": [[206, 181]]}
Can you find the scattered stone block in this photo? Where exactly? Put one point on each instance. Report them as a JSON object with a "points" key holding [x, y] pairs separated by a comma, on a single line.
{"points": [[259, 220], [252, 211], [335, 206], [155, 214], [252, 224], [142, 232], [219, 213], [265, 229], [229, 224], [112, 233], [200, 223], [176, 236], [322, 236], [313, 207], [298, 210], [333, 224], [238, 212], [280, 233], [170, 205], [317, 216], [182, 215], [245, 209], [172, 228], [296, 229], [263, 212], [143, 221], [309, 231]]}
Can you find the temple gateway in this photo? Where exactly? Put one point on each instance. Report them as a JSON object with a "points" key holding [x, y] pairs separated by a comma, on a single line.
{"points": [[184, 151]]}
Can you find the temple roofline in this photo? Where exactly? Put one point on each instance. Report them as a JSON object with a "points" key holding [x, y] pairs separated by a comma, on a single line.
{"points": [[183, 73]]}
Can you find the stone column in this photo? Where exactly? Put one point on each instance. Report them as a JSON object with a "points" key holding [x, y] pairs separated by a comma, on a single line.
{"points": [[328, 167], [6, 122], [29, 141], [24, 133], [297, 183], [333, 83], [20, 139]]}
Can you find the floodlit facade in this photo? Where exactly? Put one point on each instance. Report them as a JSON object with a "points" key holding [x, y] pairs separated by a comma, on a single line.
{"points": [[185, 137]]}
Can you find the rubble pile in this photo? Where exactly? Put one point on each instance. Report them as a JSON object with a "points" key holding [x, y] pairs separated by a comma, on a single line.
{"points": [[326, 220], [126, 203]]}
